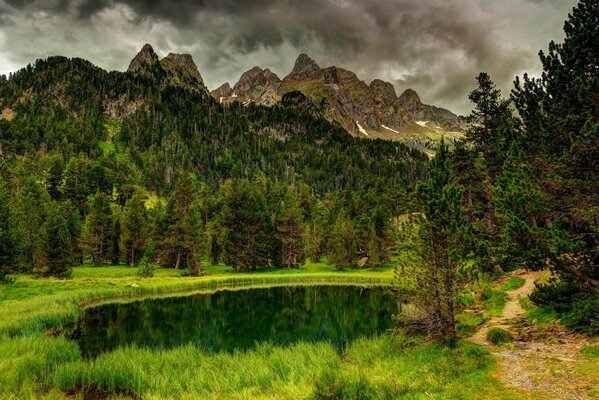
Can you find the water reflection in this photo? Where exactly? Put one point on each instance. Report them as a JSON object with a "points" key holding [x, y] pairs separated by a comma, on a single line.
{"points": [[229, 320]]}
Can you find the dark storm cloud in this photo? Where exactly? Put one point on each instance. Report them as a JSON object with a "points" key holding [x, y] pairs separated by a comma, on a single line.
{"points": [[433, 46]]}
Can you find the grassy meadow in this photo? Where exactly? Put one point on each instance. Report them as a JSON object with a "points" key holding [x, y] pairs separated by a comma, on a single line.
{"points": [[35, 362]]}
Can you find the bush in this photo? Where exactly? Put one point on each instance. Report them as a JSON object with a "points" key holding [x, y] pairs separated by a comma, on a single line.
{"points": [[146, 268], [558, 295], [584, 315], [499, 336]]}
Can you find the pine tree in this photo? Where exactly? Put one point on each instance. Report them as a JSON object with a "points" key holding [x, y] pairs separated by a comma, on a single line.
{"points": [[378, 238], [289, 232], [135, 230], [97, 234], [180, 245], [246, 226], [57, 259], [342, 243], [560, 112], [434, 273], [519, 207]]}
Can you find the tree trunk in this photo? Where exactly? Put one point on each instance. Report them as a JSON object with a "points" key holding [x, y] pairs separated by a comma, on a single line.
{"points": [[178, 261]]}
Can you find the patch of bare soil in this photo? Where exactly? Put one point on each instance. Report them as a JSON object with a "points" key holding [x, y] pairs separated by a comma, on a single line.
{"points": [[7, 114], [543, 362]]}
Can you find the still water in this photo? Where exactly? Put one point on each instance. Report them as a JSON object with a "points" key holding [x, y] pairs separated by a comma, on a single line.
{"points": [[229, 320]]}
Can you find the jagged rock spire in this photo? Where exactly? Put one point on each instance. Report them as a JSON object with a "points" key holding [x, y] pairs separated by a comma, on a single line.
{"points": [[144, 61], [304, 67]]}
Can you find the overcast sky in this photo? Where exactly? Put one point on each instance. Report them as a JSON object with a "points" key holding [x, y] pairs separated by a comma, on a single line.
{"points": [[433, 46]]}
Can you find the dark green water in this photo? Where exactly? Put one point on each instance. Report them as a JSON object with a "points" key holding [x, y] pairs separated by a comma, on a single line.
{"points": [[229, 320]]}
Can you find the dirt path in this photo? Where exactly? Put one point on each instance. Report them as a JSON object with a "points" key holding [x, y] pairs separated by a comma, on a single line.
{"points": [[537, 365]]}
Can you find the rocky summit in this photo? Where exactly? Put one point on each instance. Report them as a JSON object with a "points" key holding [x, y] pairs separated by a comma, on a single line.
{"points": [[367, 110]]}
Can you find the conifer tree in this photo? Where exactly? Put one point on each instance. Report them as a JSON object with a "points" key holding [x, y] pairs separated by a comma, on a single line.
{"points": [[56, 257], [289, 231], [246, 226], [342, 242], [435, 274], [135, 230], [97, 234], [182, 226]]}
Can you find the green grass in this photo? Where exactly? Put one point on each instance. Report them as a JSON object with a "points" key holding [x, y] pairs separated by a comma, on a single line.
{"points": [[384, 367], [513, 283], [497, 296], [591, 351], [33, 365], [539, 315]]}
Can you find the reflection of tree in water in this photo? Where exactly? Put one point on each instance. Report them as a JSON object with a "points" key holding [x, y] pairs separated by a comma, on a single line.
{"points": [[230, 320]]}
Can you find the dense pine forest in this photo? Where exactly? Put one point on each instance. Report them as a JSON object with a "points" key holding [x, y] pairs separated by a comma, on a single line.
{"points": [[107, 168]]}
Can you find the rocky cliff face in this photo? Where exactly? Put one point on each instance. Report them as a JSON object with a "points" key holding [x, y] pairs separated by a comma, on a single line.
{"points": [[181, 70], [367, 110]]}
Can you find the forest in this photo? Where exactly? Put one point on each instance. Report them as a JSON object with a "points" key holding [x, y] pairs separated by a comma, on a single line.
{"points": [[103, 169]]}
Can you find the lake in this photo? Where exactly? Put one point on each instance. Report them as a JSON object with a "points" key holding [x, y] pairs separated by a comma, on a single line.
{"points": [[228, 320]]}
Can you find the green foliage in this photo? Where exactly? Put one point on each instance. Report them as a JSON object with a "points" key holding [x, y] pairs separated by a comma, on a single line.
{"points": [[342, 242], [435, 274], [98, 230], [146, 268], [56, 248], [135, 229], [498, 336], [584, 315], [246, 226], [513, 283]]}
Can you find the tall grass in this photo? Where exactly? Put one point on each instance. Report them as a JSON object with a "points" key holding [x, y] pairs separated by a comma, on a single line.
{"points": [[385, 367]]}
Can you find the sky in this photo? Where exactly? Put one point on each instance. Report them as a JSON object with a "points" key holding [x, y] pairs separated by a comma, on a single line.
{"points": [[435, 47]]}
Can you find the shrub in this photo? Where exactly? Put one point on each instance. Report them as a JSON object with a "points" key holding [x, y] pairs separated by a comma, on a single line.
{"points": [[558, 295], [584, 315], [499, 336], [146, 268]]}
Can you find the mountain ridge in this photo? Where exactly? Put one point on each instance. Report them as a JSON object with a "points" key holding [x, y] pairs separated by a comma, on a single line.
{"points": [[363, 109]]}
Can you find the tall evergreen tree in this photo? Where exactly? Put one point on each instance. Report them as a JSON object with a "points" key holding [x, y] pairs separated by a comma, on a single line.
{"points": [[180, 245], [434, 275], [560, 112], [57, 250], [289, 231], [97, 233], [341, 250], [246, 226], [135, 230]]}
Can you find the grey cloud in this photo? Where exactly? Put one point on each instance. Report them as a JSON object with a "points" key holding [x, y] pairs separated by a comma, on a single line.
{"points": [[435, 47]]}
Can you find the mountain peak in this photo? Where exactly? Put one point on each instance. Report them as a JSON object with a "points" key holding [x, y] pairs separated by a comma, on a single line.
{"points": [[144, 60], [183, 67], [383, 89], [409, 97], [304, 67], [255, 78]]}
